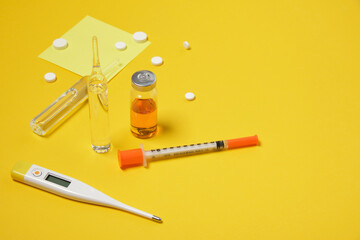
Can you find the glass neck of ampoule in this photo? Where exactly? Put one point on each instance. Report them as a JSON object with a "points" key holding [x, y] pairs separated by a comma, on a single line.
{"points": [[96, 60]]}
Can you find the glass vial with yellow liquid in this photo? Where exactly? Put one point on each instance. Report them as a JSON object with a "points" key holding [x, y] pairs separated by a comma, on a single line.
{"points": [[98, 105], [143, 104]]}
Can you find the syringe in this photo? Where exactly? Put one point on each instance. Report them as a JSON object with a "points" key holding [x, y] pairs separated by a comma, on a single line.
{"points": [[140, 157]]}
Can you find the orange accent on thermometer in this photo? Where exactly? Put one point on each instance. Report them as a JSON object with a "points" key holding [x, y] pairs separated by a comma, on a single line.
{"points": [[140, 157]]}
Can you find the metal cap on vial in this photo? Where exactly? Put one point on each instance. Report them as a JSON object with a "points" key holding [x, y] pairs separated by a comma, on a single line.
{"points": [[143, 80]]}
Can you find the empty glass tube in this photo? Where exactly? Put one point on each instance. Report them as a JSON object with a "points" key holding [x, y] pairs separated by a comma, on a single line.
{"points": [[67, 104], [98, 105]]}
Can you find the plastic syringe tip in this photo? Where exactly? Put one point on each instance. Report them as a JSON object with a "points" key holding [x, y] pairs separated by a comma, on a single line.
{"points": [[243, 142]]}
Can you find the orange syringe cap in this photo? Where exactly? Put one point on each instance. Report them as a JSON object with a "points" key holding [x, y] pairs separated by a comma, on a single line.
{"points": [[243, 142], [131, 158]]}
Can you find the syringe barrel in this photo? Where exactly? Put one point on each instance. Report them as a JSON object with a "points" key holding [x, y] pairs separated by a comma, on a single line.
{"points": [[185, 150], [139, 157]]}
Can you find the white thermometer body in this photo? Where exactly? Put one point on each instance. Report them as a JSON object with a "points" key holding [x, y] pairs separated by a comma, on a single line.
{"points": [[68, 187]]}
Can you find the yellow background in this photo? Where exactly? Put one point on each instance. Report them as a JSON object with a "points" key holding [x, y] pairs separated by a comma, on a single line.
{"points": [[285, 70]]}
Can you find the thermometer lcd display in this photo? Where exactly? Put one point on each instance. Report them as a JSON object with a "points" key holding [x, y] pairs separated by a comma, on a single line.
{"points": [[57, 180]]}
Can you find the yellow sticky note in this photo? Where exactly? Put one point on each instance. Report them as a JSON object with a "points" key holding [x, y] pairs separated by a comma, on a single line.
{"points": [[77, 57]]}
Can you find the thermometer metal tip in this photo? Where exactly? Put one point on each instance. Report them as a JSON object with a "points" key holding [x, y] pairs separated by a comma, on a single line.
{"points": [[156, 219]]}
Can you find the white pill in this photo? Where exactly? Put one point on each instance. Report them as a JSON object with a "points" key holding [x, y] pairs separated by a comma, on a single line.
{"points": [[60, 43], [120, 46], [157, 61], [50, 77], [189, 96], [140, 37], [186, 45]]}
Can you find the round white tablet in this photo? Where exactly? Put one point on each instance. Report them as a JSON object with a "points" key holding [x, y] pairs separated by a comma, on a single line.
{"points": [[140, 37], [120, 46], [50, 77], [186, 45], [189, 96], [60, 43], [157, 61]]}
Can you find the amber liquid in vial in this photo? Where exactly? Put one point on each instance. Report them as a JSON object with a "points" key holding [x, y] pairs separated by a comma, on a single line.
{"points": [[143, 118]]}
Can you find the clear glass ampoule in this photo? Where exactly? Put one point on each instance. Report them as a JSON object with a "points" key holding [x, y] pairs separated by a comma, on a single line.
{"points": [[66, 104], [98, 105]]}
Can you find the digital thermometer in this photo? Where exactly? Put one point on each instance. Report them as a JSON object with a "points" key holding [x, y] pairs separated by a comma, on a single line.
{"points": [[68, 187]]}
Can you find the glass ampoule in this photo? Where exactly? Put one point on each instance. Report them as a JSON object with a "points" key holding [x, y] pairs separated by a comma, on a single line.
{"points": [[98, 105], [66, 104]]}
